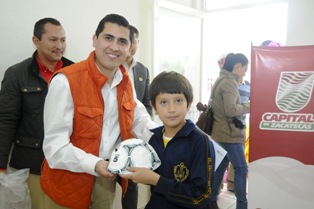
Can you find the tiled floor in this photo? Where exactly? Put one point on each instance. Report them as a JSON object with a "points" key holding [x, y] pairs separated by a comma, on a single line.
{"points": [[226, 199]]}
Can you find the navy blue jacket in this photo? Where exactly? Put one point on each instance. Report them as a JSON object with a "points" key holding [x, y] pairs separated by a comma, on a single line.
{"points": [[185, 171]]}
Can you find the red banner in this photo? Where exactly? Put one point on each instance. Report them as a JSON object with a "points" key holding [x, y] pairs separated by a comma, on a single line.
{"points": [[281, 155], [282, 103]]}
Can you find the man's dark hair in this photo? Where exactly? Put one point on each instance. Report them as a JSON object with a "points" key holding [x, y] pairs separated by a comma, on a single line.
{"points": [[39, 29], [113, 18], [134, 32], [170, 83]]}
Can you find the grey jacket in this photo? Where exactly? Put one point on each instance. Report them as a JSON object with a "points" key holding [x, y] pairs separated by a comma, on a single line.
{"points": [[226, 105], [141, 85]]}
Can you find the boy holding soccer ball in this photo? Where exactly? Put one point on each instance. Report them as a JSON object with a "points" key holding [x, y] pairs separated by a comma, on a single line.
{"points": [[184, 178]]}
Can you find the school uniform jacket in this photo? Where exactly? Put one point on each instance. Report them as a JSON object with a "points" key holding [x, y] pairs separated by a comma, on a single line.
{"points": [[185, 171]]}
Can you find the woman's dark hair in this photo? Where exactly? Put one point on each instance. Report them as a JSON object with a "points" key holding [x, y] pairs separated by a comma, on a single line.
{"points": [[171, 83], [232, 59], [270, 43], [266, 43]]}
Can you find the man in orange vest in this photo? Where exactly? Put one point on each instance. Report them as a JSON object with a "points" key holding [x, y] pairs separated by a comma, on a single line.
{"points": [[90, 108]]}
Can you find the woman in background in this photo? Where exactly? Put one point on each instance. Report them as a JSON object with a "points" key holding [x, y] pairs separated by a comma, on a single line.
{"points": [[228, 129]]}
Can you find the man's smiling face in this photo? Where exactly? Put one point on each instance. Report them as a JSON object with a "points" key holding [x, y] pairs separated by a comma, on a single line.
{"points": [[112, 46]]}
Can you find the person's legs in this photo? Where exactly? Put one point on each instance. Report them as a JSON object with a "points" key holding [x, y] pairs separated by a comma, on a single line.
{"points": [[103, 194], [235, 153], [218, 177], [230, 178], [129, 200], [50, 204], [217, 181], [37, 194]]}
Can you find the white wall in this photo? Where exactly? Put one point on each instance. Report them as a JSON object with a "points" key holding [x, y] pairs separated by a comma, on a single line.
{"points": [[300, 23], [79, 18]]}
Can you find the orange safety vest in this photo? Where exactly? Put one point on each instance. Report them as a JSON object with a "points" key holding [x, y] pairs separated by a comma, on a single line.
{"points": [[70, 189]]}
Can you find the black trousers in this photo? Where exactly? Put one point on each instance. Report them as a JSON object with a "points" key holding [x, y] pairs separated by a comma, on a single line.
{"points": [[129, 200]]}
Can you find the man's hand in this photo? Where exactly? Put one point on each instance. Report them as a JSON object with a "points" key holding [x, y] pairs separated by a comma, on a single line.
{"points": [[133, 135], [142, 175], [101, 169]]}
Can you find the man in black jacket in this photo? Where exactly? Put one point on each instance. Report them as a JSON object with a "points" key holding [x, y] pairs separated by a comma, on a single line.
{"points": [[22, 96]]}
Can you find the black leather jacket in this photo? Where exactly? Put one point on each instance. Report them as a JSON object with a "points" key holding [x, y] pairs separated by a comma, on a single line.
{"points": [[22, 97]]}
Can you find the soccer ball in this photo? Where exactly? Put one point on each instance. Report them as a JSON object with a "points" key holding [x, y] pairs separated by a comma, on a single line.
{"points": [[133, 153]]}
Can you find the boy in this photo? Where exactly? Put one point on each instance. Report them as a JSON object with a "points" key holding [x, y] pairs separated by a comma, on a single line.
{"points": [[184, 178]]}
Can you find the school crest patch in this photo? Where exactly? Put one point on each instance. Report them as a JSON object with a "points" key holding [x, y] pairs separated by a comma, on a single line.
{"points": [[181, 172]]}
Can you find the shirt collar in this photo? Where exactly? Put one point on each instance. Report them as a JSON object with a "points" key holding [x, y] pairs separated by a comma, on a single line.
{"points": [[43, 68]]}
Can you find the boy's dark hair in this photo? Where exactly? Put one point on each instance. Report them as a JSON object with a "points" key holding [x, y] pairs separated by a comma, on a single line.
{"points": [[171, 83], [113, 18], [232, 59], [39, 26]]}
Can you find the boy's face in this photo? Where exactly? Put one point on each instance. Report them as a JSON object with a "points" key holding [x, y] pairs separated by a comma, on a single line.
{"points": [[172, 109]]}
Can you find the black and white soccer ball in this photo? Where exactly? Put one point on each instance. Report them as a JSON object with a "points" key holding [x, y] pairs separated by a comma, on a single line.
{"points": [[133, 153]]}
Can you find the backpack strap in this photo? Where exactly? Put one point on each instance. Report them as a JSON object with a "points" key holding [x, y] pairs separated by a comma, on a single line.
{"points": [[214, 88]]}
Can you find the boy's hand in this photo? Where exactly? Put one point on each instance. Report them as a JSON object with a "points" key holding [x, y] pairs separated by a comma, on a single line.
{"points": [[142, 175]]}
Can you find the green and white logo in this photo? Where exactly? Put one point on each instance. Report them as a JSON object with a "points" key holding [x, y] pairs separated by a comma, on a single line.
{"points": [[293, 94]]}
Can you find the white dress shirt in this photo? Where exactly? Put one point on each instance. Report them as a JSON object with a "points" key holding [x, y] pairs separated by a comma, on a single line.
{"points": [[58, 123], [130, 69]]}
